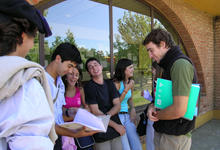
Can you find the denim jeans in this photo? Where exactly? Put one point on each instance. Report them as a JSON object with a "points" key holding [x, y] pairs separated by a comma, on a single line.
{"points": [[150, 135], [131, 139]]}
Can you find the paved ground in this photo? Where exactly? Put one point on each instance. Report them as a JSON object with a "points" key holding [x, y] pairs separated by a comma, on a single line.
{"points": [[207, 137]]}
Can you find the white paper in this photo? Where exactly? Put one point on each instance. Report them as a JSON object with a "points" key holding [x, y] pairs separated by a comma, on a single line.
{"points": [[90, 121]]}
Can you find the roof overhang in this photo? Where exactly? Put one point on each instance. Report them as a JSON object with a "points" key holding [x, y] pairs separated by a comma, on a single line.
{"points": [[211, 7]]}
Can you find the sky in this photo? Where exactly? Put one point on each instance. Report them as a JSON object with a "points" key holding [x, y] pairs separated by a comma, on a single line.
{"points": [[87, 20]]}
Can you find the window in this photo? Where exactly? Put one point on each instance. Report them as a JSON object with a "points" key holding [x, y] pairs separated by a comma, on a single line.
{"points": [[86, 24]]}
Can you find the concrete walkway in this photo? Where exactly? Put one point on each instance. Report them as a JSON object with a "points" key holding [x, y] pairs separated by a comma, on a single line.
{"points": [[207, 137]]}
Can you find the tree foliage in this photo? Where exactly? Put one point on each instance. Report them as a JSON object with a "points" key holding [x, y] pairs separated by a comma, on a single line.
{"points": [[133, 28]]}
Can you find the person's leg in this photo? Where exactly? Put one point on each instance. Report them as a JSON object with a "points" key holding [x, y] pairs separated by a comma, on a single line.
{"points": [[150, 135], [116, 144], [124, 138], [132, 135], [103, 146], [185, 142], [157, 137], [168, 142]]}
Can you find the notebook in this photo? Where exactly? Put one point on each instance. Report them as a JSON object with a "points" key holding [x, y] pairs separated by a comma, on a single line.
{"points": [[164, 98]]}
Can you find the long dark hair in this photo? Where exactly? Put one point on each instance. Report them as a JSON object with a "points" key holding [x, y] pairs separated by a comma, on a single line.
{"points": [[120, 69], [78, 84]]}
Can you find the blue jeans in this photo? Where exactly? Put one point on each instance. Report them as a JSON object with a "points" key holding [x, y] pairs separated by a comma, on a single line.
{"points": [[131, 139], [150, 135]]}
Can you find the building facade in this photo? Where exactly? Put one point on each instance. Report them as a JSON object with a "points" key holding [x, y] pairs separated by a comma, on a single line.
{"points": [[197, 30]]}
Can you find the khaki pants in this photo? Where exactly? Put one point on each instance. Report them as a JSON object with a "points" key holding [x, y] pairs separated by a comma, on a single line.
{"points": [[114, 144], [171, 142]]}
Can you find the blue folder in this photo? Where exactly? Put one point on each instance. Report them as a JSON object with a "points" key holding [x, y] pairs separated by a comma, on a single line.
{"points": [[164, 97]]}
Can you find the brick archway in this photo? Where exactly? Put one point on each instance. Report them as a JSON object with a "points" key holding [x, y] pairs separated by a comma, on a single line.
{"points": [[178, 25]]}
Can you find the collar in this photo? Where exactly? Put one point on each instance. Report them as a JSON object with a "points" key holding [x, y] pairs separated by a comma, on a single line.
{"points": [[171, 53]]}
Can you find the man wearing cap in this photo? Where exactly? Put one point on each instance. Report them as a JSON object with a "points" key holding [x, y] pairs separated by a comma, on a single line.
{"points": [[26, 120]]}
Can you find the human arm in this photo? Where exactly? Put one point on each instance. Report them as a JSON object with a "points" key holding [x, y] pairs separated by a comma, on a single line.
{"points": [[176, 110], [95, 110], [182, 75], [22, 118], [132, 108], [82, 94], [73, 133], [128, 86]]}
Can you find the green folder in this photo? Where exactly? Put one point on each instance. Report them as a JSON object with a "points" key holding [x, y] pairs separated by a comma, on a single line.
{"points": [[164, 97]]}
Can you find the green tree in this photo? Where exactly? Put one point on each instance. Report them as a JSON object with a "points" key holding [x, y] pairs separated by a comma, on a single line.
{"points": [[69, 37], [33, 54], [58, 40], [133, 28]]}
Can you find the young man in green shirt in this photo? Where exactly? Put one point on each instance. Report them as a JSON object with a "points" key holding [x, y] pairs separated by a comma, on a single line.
{"points": [[171, 130]]}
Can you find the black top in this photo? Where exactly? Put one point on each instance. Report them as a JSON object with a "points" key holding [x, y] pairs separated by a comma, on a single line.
{"points": [[99, 94]]}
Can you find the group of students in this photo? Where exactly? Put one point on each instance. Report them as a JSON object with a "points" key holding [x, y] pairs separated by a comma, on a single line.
{"points": [[35, 101]]}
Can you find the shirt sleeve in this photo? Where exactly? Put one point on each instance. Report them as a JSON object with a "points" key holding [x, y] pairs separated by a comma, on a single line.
{"points": [[115, 93], [26, 118], [60, 102], [182, 76], [90, 94]]}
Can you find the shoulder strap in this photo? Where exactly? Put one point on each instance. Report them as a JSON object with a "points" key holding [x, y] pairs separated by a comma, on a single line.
{"points": [[55, 99]]}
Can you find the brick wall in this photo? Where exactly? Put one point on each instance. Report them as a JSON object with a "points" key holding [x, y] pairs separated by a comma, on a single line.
{"points": [[217, 64], [196, 31]]}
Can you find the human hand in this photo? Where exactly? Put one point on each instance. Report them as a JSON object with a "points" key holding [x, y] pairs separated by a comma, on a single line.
{"points": [[86, 107], [82, 132], [151, 113], [120, 129], [129, 85]]}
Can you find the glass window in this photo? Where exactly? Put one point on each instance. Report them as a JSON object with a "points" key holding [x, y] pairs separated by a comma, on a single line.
{"points": [[131, 24], [85, 24]]}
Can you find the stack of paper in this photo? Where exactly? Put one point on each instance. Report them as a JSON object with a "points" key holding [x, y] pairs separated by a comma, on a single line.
{"points": [[90, 121], [164, 97]]}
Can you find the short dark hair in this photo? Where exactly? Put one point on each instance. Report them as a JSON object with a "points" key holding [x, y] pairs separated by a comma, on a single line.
{"points": [[120, 68], [158, 35], [67, 52], [11, 34], [91, 59]]}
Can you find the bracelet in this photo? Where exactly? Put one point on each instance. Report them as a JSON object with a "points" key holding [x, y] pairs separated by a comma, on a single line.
{"points": [[67, 114], [125, 91]]}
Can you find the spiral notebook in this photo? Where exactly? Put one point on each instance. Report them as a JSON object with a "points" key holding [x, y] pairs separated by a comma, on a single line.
{"points": [[164, 97]]}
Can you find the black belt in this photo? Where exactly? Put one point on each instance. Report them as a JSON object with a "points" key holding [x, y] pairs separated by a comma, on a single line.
{"points": [[123, 112]]}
